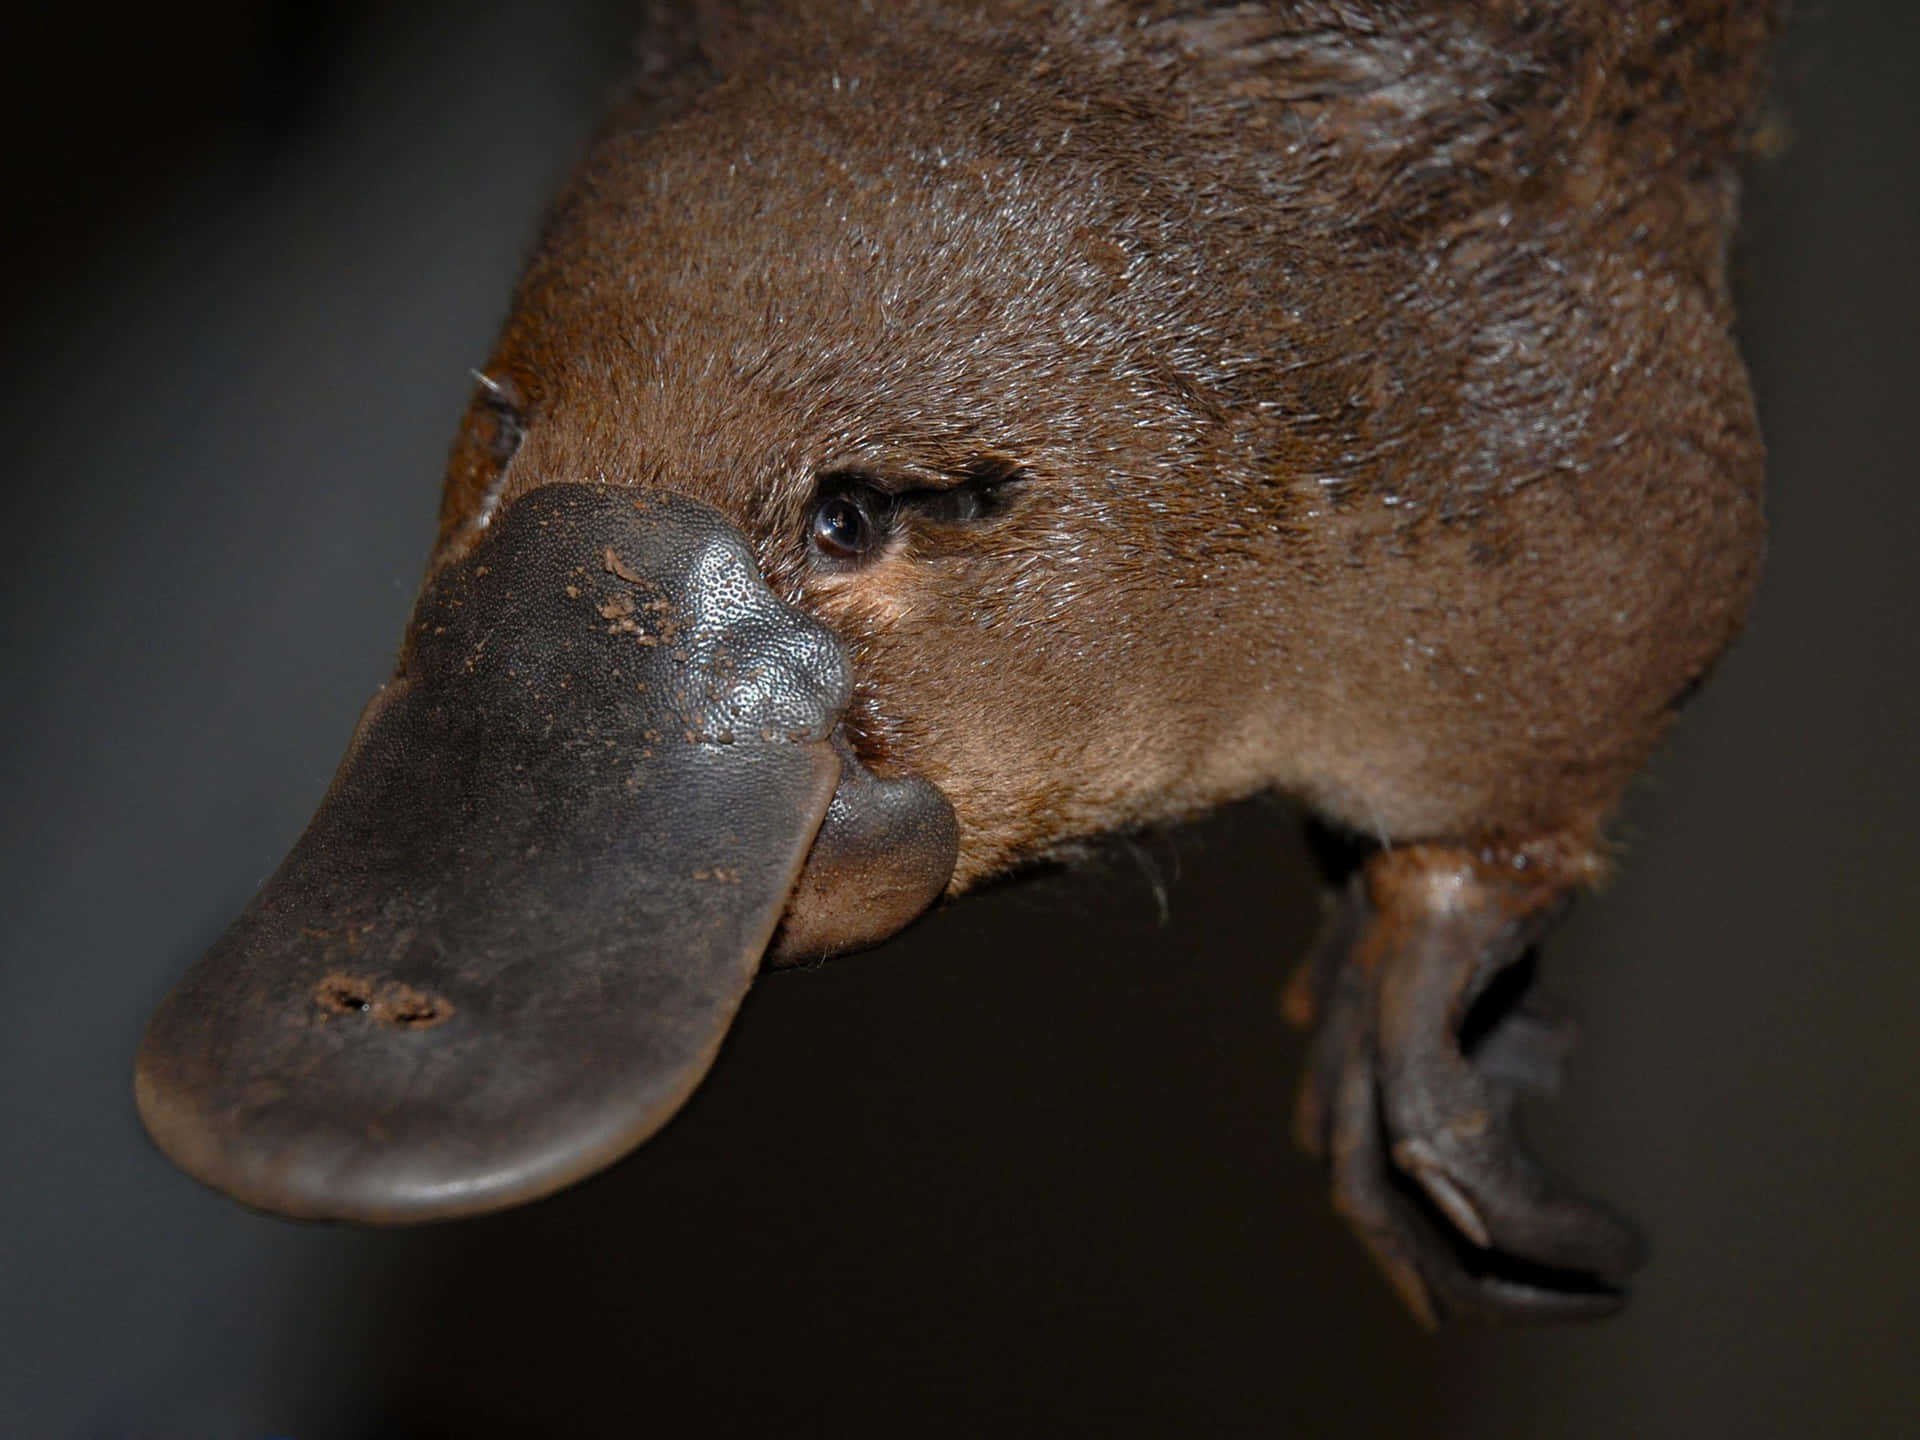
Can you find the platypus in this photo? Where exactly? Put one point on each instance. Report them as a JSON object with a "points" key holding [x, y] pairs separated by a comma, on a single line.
{"points": [[927, 438]]}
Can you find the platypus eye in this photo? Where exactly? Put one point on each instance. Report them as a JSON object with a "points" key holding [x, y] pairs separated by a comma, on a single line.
{"points": [[847, 524], [855, 513]]}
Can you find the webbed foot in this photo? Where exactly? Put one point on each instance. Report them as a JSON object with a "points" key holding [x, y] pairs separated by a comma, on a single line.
{"points": [[1425, 1036]]}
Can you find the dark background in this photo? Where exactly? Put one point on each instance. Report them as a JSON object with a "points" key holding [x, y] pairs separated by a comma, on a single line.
{"points": [[1027, 1166]]}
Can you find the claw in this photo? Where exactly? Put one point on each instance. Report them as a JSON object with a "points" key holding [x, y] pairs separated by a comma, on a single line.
{"points": [[1365, 1201], [1329, 995], [1417, 1158], [1425, 1035], [1522, 1046]]}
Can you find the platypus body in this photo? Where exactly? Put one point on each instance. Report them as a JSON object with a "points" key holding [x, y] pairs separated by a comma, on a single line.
{"points": [[927, 437]]}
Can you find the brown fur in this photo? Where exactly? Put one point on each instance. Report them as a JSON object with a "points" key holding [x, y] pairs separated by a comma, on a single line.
{"points": [[1366, 366]]}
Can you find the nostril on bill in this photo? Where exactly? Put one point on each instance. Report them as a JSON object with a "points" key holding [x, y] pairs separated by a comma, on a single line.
{"points": [[385, 1003]]}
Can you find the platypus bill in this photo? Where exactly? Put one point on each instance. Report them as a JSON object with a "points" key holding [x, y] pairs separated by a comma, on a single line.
{"points": [[925, 439]]}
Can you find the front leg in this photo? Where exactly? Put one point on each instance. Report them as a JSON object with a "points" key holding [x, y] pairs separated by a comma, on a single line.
{"points": [[1424, 1037]]}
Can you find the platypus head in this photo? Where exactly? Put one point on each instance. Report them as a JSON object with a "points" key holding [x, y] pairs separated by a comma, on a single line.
{"points": [[817, 542], [920, 442]]}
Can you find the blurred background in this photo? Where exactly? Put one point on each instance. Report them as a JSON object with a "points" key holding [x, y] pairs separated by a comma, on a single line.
{"points": [[1028, 1165]]}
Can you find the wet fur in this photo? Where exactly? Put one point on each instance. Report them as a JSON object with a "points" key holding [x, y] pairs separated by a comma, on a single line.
{"points": [[1363, 374]]}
